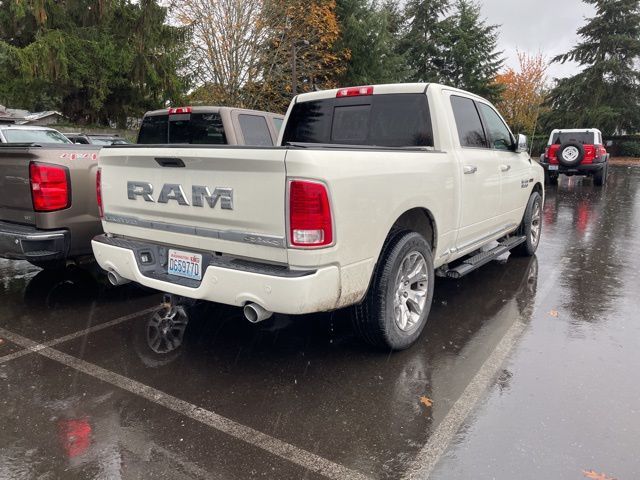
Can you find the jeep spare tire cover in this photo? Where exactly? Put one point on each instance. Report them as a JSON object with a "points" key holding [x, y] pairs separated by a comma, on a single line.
{"points": [[570, 154]]}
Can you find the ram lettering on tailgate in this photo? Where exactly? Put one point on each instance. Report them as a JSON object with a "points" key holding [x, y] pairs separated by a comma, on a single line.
{"points": [[174, 191]]}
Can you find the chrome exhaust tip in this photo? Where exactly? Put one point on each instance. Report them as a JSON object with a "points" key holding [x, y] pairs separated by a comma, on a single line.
{"points": [[255, 313], [115, 279]]}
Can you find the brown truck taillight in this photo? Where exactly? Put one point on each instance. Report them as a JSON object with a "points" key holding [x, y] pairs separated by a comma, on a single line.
{"points": [[50, 187], [99, 192], [310, 222], [179, 110], [354, 92]]}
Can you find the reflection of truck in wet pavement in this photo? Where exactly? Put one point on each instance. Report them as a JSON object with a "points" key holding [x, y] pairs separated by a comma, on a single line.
{"points": [[48, 209], [372, 191]]}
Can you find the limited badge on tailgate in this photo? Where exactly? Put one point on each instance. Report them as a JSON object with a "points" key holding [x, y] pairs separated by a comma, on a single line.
{"points": [[185, 264]]}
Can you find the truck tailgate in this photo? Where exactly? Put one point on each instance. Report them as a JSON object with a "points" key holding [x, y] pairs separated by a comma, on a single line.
{"points": [[227, 200], [15, 190]]}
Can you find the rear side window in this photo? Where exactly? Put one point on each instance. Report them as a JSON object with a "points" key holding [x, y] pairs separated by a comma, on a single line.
{"points": [[586, 138], [499, 135], [278, 123], [397, 120], [255, 130], [154, 129], [468, 122]]}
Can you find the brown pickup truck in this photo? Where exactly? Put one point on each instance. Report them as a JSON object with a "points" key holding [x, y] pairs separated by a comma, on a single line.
{"points": [[48, 209], [48, 206]]}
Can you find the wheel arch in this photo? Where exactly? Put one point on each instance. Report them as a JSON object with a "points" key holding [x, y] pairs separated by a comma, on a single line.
{"points": [[419, 220]]}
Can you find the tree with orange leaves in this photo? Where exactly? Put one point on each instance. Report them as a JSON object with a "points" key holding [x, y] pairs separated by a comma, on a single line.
{"points": [[301, 53], [523, 95]]}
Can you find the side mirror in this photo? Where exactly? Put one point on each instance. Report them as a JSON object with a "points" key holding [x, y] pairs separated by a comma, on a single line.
{"points": [[522, 145]]}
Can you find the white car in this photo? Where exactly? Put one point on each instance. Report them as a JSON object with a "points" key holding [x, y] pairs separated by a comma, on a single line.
{"points": [[372, 191], [10, 133]]}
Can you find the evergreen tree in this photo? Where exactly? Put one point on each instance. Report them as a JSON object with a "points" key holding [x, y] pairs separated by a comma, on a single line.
{"points": [[605, 94], [423, 38], [369, 33], [470, 59], [98, 61]]}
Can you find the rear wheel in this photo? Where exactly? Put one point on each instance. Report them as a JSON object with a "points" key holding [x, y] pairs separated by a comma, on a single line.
{"points": [[395, 310], [600, 178], [531, 227]]}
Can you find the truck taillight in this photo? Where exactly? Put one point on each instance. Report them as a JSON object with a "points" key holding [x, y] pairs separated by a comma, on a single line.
{"points": [[354, 92], [50, 188], [99, 192], [179, 110], [310, 222]]}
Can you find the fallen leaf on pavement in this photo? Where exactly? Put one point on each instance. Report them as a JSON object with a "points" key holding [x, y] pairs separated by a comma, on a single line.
{"points": [[554, 313], [596, 476], [426, 401]]}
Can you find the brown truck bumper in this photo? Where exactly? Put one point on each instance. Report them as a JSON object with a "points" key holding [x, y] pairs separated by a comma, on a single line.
{"points": [[26, 242]]}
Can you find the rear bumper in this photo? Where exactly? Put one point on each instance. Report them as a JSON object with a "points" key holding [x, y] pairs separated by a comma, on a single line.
{"points": [[26, 242], [587, 169], [225, 280]]}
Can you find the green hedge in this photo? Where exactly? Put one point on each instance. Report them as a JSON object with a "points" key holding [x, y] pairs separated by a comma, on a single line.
{"points": [[623, 146]]}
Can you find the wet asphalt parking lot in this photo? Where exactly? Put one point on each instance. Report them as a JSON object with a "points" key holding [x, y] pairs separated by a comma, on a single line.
{"points": [[528, 369]]}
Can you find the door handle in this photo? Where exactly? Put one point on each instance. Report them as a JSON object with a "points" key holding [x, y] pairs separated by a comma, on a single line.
{"points": [[505, 168], [470, 169]]}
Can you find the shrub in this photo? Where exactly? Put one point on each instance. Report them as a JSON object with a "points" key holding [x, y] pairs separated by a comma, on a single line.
{"points": [[629, 149]]}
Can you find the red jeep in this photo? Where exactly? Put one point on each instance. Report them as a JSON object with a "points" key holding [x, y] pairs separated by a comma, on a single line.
{"points": [[575, 152]]}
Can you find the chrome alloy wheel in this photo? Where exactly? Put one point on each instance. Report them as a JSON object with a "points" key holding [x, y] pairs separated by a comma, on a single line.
{"points": [[536, 224], [570, 154], [410, 296], [165, 330]]}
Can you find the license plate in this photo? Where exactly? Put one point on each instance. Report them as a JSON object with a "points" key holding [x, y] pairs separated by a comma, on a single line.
{"points": [[553, 167], [185, 264]]}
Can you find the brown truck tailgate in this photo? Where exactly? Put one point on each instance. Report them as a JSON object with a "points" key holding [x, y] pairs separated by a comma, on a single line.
{"points": [[15, 189]]}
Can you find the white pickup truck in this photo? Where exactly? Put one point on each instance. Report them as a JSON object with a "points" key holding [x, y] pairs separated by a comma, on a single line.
{"points": [[371, 192]]}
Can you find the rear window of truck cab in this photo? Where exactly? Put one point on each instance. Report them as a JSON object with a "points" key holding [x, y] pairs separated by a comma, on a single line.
{"points": [[191, 128], [394, 120]]}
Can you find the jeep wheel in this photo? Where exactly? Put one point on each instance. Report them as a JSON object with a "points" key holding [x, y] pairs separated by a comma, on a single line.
{"points": [[531, 227], [600, 178], [570, 154], [395, 310]]}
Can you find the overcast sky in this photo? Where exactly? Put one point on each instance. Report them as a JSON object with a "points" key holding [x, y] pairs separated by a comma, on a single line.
{"points": [[548, 26]]}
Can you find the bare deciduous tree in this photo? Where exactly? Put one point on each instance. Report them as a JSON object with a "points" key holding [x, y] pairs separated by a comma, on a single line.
{"points": [[227, 37]]}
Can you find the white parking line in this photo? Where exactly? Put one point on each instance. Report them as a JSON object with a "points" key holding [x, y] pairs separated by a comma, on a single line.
{"points": [[246, 434], [73, 336], [439, 440], [438, 443]]}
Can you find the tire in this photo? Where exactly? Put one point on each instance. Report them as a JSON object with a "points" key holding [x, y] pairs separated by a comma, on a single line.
{"points": [[532, 219], [570, 154], [600, 178], [550, 179], [377, 320]]}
